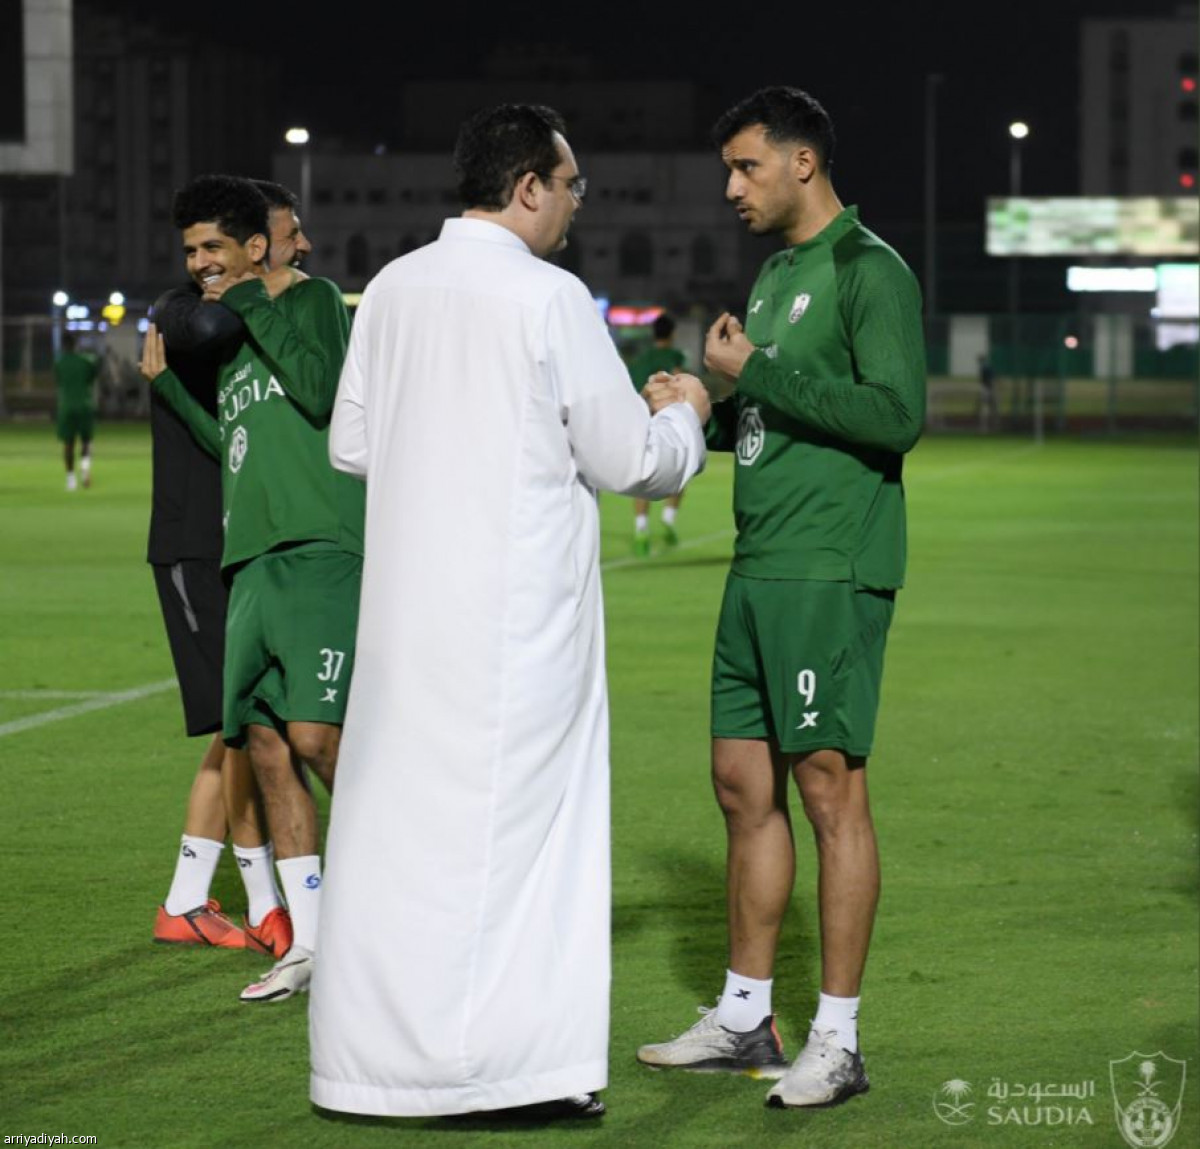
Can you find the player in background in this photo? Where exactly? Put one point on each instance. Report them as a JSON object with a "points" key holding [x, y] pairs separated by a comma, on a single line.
{"points": [[829, 378], [185, 551], [293, 531], [661, 355], [74, 378]]}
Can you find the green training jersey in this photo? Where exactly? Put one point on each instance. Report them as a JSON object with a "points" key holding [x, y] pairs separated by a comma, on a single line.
{"points": [[824, 410], [271, 432], [74, 375], [653, 359]]}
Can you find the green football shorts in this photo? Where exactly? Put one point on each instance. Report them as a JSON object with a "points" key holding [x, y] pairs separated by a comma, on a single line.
{"points": [[800, 662], [289, 639], [76, 423]]}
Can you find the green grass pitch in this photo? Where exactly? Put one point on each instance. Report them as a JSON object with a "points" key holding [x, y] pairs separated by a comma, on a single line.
{"points": [[1034, 787]]}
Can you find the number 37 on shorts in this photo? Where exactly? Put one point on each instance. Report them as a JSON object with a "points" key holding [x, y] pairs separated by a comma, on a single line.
{"points": [[332, 662]]}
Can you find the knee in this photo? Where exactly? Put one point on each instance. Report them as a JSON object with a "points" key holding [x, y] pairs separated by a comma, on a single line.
{"points": [[316, 746], [833, 794], [744, 805]]}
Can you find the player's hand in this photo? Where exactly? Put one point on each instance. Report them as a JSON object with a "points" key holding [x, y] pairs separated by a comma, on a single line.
{"points": [[279, 279], [661, 391], [665, 389], [218, 287], [695, 394], [154, 355], [726, 347]]}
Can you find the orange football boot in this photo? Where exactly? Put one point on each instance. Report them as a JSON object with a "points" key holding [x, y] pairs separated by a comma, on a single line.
{"points": [[203, 926], [273, 935]]}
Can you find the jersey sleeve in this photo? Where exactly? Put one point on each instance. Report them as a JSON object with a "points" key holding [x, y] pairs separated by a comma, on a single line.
{"points": [[204, 428], [617, 445], [885, 406], [306, 355]]}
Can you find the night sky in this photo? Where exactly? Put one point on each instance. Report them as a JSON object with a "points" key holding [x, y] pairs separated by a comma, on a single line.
{"points": [[867, 62]]}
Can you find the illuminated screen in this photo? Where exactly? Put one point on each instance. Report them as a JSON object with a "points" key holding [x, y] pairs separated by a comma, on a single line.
{"points": [[1112, 279], [1178, 291], [1093, 225]]}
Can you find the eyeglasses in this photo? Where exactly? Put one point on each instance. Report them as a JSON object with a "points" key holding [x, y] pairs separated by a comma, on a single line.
{"points": [[576, 185]]}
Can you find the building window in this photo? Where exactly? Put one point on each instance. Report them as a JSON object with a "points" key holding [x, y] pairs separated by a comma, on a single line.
{"points": [[636, 254], [1187, 111], [350, 195], [323, 196], [1189, 158], [704, 256], [407, 244], [356, 257], [1189, 62], [376, 196]]}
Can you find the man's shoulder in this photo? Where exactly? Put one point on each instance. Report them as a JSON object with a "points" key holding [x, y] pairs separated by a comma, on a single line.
{"points": [[314, 287], [860, 249]]}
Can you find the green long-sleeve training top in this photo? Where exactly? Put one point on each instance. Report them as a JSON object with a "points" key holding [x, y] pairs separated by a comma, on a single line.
{"points": [[271, 433], [824, 410]]}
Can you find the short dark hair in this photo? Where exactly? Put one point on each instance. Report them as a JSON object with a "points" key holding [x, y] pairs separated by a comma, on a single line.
{"points": [[663, 326], [497, 146], [277, 195], [788, 115], [234, 204]]}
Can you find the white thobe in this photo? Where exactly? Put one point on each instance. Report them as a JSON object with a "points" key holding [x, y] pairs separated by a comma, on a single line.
{"points": [[463, 954]]}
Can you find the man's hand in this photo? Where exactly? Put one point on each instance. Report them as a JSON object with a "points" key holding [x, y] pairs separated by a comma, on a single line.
{"points": [[214, 291], [279, 279], [663, 389], [726, 347], [154, 355]]}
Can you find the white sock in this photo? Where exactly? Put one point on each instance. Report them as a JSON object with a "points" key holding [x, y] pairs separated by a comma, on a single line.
{"points": [[85, 466], [256, 865], [641, 523], [71, 480], [668, 515], [744, 1002], [194, 869], [840, 1013], [301, 879]]}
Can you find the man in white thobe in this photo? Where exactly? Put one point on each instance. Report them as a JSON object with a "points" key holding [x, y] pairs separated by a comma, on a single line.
{"points": [[463, 954]]}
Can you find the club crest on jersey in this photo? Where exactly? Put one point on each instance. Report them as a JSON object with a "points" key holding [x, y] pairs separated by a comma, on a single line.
{"points": [[237, 449], [751, 435], [799, 306]]}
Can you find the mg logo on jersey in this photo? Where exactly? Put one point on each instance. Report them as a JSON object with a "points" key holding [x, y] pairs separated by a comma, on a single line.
{"points": [[757, 307], [799, 306], [750, 435], [237, 449]]}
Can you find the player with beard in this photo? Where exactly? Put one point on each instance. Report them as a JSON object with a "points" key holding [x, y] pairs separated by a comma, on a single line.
{"points": [[829, 378]]}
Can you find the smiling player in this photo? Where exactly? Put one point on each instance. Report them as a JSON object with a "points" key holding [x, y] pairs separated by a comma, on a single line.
{"points": [[293, 530]]}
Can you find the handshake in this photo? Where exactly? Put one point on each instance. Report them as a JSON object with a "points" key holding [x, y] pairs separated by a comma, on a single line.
{"points": [[662, 389]]}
